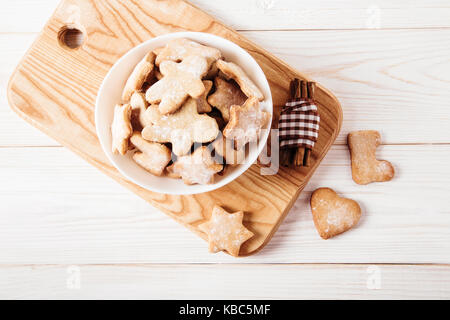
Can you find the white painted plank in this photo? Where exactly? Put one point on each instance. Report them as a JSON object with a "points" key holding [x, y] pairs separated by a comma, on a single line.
{"points": [[56, 209], [328, 14], [271, 14], [225, 282], [395, 81], [25, 15]]}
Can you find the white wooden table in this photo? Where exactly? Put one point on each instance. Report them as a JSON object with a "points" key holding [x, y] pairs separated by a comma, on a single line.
{"points": [[67, 231]]}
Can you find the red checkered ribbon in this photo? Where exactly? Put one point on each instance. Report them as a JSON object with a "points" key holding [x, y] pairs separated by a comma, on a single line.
{"points": [[299, 124]]}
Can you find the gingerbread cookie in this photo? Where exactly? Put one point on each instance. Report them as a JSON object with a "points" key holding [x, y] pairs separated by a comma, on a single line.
{"points": [[226, 231], [179, 49], [197, 168], [227, 94], [139, 106], [225, 149], [139, 75], [202, 104], [246, 122], [180, 81], [121, 129], [365, 167], [233, 71], [332, 214], [182, 128], [154, 157]]}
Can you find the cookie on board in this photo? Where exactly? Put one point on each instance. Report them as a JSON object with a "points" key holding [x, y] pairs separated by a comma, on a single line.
{"points": [[226, 231]]}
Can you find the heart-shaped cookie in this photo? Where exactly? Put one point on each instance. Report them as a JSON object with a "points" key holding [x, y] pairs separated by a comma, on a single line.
{"points": [[332, 214]]}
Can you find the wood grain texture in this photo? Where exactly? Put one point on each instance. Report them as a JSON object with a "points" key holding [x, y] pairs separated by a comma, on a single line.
{"points": [[275, 14], [61, 210], [15, 131], [225, 282], [54, 88]]}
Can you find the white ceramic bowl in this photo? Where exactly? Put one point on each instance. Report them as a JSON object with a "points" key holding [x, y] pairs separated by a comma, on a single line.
{"points": [[110, 94]]}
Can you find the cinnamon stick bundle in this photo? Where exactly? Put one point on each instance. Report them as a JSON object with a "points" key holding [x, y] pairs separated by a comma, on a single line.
{"points": [[300, 156]]}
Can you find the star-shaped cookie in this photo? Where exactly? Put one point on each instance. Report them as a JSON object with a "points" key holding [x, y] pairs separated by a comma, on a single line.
{"points": [[182, 128], [225, 231], [233, 71], [246, 122], [179, 81], [227, 94]]}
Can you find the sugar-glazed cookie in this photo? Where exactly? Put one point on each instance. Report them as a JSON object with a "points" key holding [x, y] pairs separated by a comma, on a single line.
{"points": [[153, 157], [227, 94], [197, 168], [226, 231], [180, 81], [182, 129], [178, 49], [233, 71], [121, 129], [246, 122], [139, 75], [365, 166], [139, 105], [226, 150], [332, 214]]}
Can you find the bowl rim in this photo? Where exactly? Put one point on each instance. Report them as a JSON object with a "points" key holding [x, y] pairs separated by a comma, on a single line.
{"points": [[206, 188]]}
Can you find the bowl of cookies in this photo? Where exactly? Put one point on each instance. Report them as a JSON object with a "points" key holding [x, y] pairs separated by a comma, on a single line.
{"points": [[184, 113]]}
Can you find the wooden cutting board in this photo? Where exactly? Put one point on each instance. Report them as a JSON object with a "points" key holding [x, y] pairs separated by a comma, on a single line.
{"points": [[55, 86]]}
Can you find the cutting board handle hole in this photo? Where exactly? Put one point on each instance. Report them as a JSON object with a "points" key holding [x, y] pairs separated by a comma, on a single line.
{"points": [[71, 37]]}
